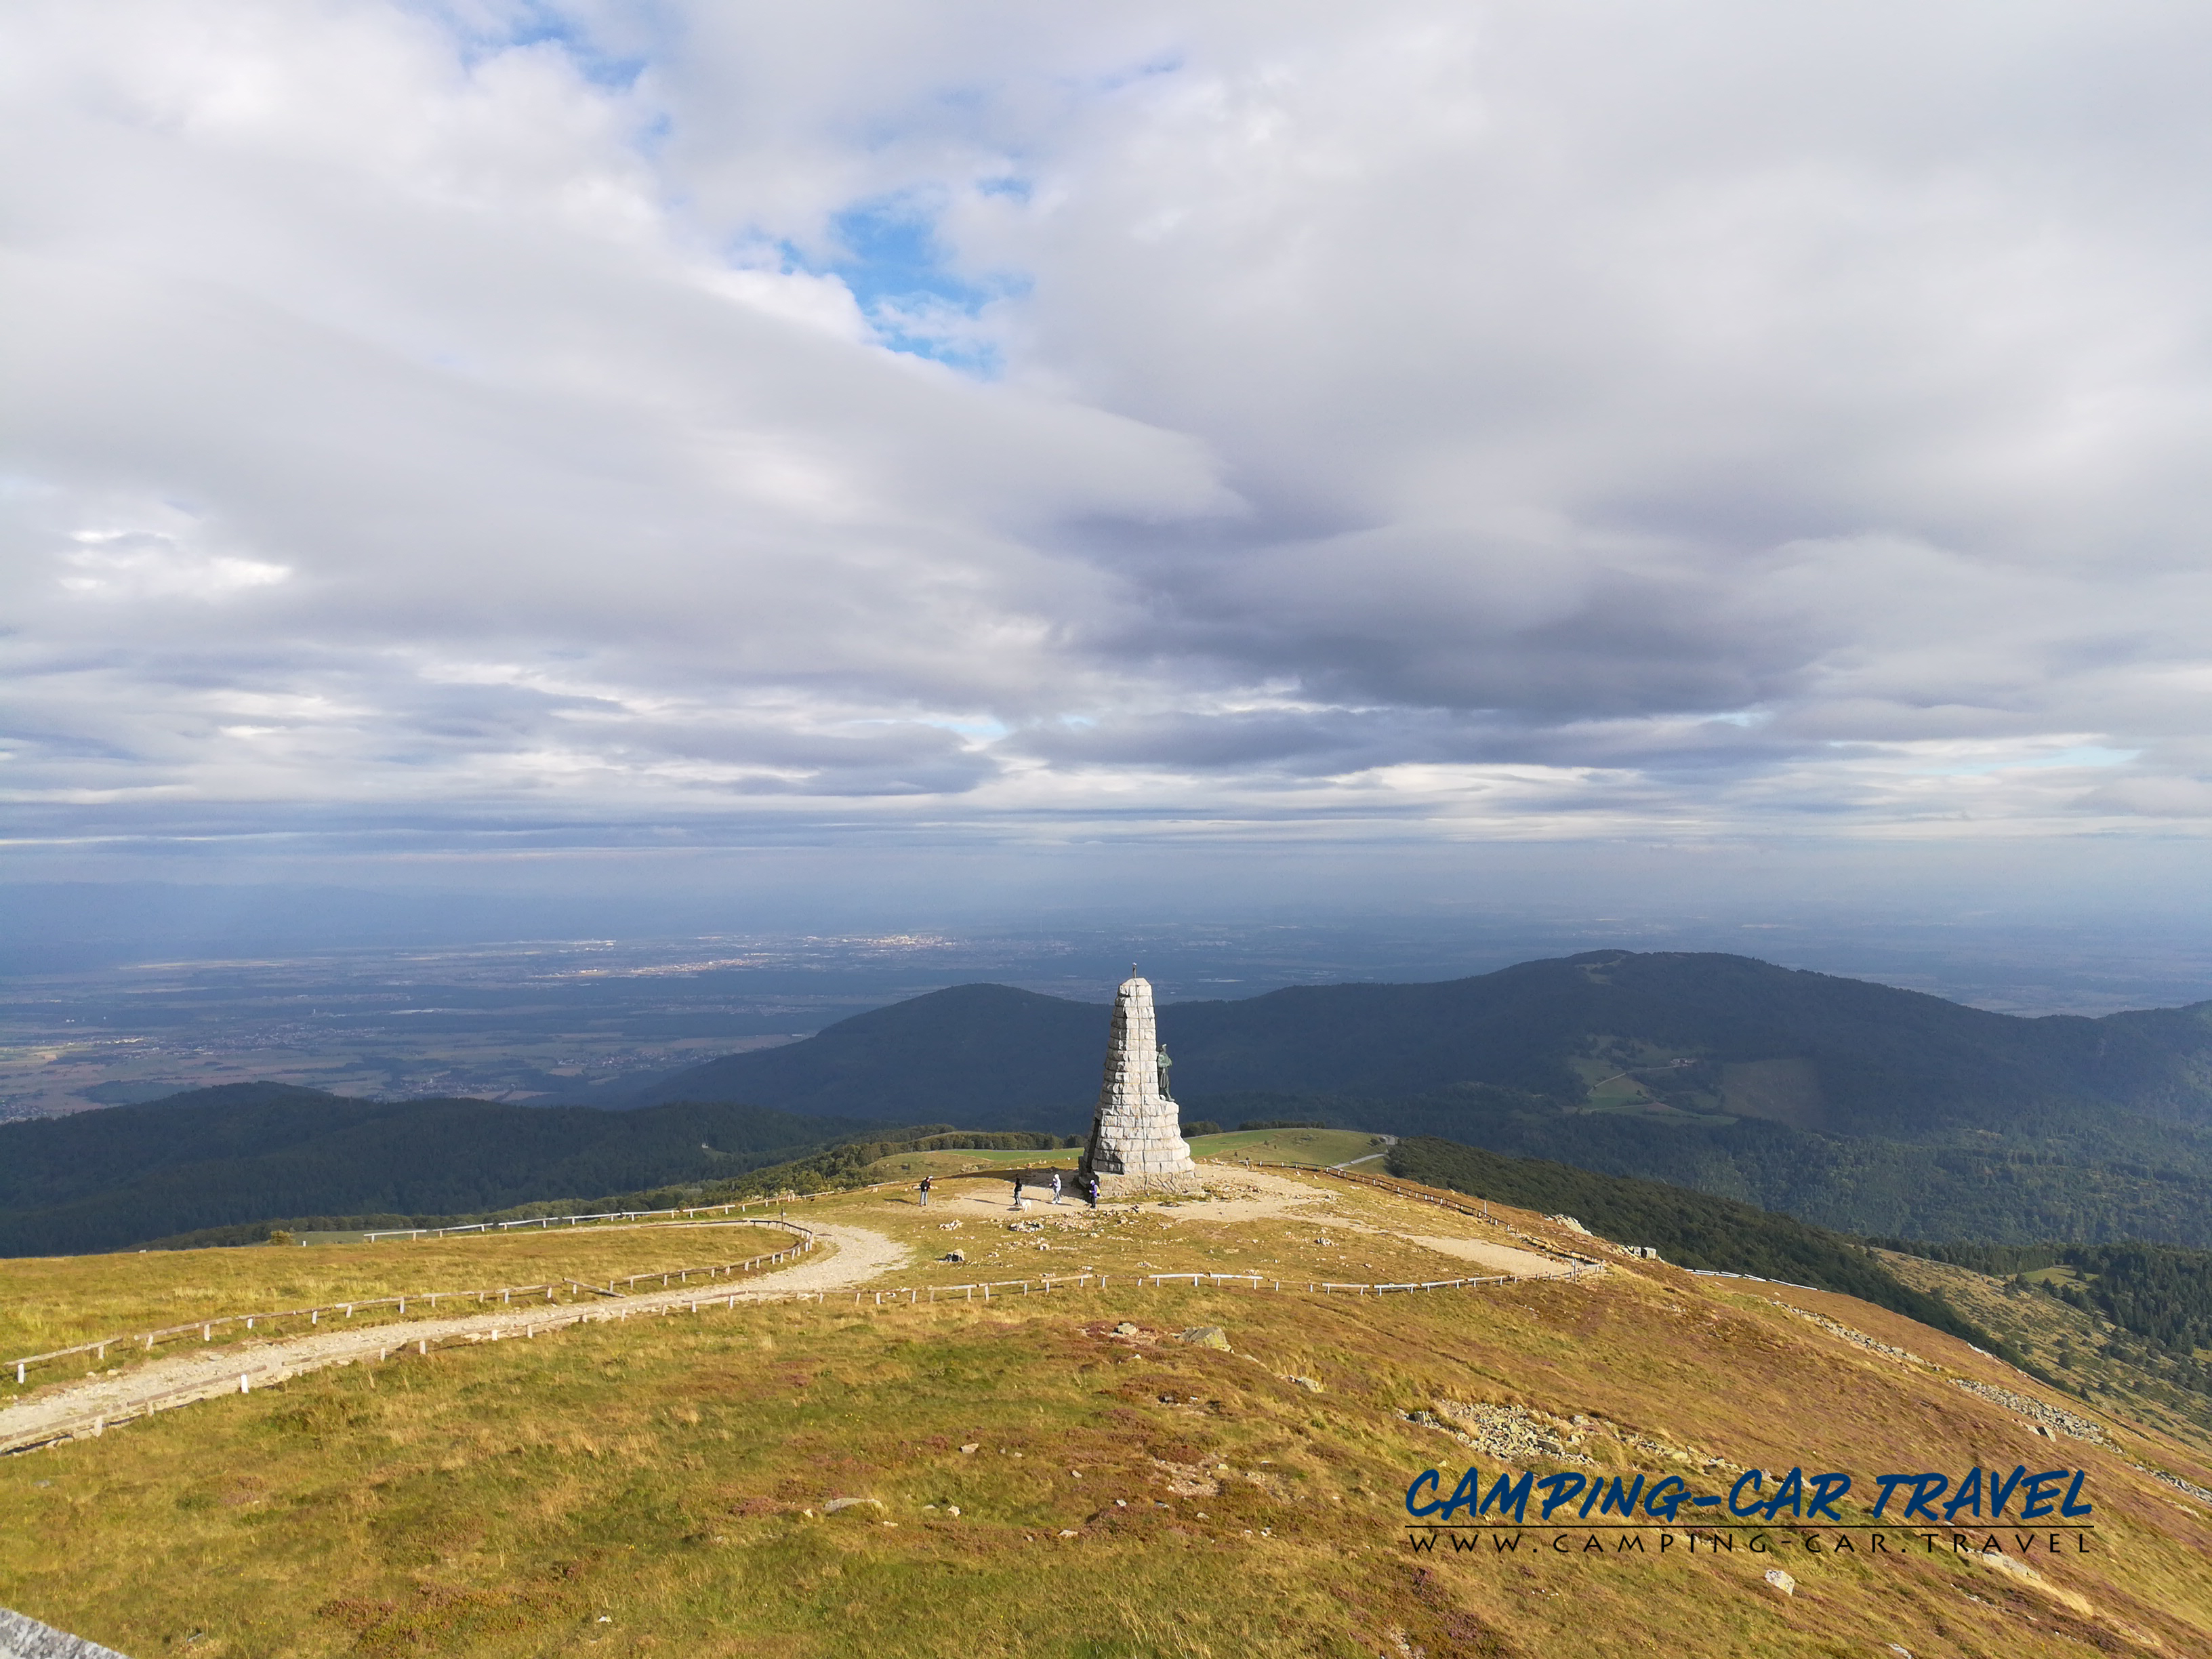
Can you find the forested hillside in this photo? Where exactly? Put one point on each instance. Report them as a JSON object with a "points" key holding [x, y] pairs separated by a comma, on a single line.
{"points": [[1856, 1106], [126, 1175], [1690, 1229]]}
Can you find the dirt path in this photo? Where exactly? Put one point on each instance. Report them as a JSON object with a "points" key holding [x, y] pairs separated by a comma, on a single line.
{"points": [[844, 1257], [1498, 1258], [1243, 1194]]}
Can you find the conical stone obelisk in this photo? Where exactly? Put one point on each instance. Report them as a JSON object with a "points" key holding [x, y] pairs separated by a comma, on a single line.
{"points": [[1136, 1141]]}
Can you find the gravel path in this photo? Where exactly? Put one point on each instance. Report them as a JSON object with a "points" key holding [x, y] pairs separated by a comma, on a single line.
{"points": [[843, 1258]]}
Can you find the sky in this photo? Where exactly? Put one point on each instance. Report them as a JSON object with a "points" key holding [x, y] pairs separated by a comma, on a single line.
{"points": [[1288, 450]]}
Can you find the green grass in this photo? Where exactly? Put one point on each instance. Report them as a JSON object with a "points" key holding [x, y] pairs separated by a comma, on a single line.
{"points": [[914, 1165], [504, 1503], [1319, 1148], [658, 1476]]}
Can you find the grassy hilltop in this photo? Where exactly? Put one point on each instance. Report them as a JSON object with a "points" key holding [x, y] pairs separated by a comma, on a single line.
{"points": [[1044, 1484]]}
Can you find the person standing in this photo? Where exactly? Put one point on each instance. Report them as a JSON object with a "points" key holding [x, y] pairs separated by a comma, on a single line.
{"points": [[1018, 1192], [924, 1192], [1094, 1192], [1055, 1186]]}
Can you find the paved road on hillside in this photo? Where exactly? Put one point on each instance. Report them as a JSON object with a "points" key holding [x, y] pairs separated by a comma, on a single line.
{"points": [[854, 1256]]}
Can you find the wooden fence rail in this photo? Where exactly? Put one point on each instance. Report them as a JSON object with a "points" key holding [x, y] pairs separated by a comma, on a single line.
{"points": [[144, 1340], [907, 1296]]}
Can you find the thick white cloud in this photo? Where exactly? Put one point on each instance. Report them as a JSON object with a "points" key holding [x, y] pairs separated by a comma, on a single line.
{"points": [[1469, 419]]}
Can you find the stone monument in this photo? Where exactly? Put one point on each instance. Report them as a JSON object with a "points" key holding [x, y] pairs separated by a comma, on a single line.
{"points": [[1136, 1142]]}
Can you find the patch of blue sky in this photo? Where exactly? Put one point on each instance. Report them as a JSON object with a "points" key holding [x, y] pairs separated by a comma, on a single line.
{"points": [[485, 32], [890, 255]]}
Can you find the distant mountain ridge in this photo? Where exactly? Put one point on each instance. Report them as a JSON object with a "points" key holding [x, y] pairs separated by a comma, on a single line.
{"points": [[1874, 1051], [1858, 1105], [1852, 1106]]}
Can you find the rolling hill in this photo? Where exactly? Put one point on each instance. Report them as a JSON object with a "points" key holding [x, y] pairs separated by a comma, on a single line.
{"points": [[1858, 1106]]}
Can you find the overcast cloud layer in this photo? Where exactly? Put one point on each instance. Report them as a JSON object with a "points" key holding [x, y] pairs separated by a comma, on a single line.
{"points": [[1422, 420]]}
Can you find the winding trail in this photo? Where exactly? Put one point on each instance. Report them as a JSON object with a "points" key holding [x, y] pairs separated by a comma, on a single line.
{"points": [[843, 1258]]}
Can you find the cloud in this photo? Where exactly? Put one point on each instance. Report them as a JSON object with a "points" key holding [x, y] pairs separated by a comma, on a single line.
{"points": [[1478, 420]]}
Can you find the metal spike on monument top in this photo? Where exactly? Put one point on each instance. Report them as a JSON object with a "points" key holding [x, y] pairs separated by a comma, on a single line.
{"points": [[1136, 1141]]}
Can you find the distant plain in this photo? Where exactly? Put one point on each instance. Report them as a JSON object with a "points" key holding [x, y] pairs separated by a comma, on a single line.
{"points": [[587, 1019]]}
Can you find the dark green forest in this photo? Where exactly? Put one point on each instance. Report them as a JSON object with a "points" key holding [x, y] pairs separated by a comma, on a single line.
{"points": [[1690, 1229], [2099, 1180], [2156, 1291], [237, 1155]]}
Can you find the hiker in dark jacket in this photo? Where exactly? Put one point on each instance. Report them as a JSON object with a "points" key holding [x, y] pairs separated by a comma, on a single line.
{"points": [[924, 1192]]}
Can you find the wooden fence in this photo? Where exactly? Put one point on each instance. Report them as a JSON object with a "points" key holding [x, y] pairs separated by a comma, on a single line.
{"points": [[145, 1342], [908, 1295]]}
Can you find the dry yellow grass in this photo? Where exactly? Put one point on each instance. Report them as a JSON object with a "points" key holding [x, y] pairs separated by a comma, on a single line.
{"points": [[659, 1477], [54, 1302]]}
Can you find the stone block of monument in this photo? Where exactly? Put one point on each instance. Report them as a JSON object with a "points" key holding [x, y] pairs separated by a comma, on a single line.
{"points": [[1136, 1137]]}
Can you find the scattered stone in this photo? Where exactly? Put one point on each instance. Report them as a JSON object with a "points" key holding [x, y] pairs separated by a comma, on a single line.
{"points": [[947, 1226], [1508, 1432], [971, 1448], [1188, 1480], [1066, 1532], [1858, 1339], [954, 1256], [1570, 1224], [1305, 1382], [1782, 1581], [1125, 1328], [953, 1509], [837, 1504], [2175, 1482], [1206, 1336], [2045, 1417]]}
